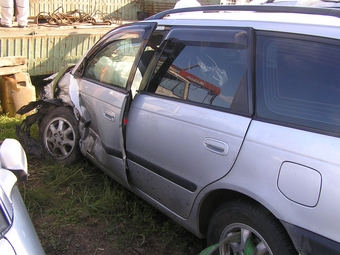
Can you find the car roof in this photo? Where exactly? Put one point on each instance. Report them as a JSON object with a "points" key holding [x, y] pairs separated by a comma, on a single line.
{"points": [[302, 3], [323, 22]]}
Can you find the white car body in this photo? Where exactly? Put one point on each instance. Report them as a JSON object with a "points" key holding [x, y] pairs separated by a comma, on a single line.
{"points": [[17, 233]]}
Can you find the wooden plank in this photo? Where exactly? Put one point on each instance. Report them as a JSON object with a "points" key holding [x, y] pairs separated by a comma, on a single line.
{"points": [[12, 69], [12, 61]]}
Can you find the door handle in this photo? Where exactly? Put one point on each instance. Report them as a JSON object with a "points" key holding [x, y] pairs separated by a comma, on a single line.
{"points": [[108, 114], [216, 146]]}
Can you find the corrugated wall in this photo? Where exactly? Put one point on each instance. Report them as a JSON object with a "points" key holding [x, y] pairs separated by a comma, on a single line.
{"points": [[153, 7], [124, 9], [57, 51], [47, 54]]}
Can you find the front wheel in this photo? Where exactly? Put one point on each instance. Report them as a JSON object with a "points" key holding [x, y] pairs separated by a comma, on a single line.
{"points": [[247, 228], [59, 135]]}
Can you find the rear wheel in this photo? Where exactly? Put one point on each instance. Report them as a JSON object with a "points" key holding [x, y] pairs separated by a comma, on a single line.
{"points": [[247, 228], [59, 135]]}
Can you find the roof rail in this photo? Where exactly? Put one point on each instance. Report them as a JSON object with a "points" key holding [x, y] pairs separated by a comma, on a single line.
{"points": [[253, 8]]}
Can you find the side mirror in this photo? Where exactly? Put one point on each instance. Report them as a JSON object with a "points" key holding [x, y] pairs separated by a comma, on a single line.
{"points": [[13, 158]]}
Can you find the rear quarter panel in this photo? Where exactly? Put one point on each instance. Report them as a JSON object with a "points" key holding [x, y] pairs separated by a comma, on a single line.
{"points": [[257, 171]]}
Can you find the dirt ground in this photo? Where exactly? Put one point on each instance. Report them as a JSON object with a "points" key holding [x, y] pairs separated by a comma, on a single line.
{"points": [[97, 240], [93, 240]]}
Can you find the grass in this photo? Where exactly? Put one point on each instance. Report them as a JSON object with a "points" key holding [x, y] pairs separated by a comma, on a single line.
{"points": [[7, 124], [67, 203]]}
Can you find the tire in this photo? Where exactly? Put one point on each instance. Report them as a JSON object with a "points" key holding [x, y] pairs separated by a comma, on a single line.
{"points": [[253, 226], [59, 136]]}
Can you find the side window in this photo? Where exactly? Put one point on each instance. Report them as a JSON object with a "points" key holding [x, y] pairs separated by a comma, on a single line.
{"points": [[200, 71], [112, 64], [298, 82]]}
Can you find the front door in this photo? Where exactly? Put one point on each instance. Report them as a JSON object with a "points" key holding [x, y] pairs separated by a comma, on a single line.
{"points": [[108, 73]]}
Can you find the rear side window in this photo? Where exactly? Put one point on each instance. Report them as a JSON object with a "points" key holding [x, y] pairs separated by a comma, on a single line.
{"points": [[298, 82], [200, 68]]}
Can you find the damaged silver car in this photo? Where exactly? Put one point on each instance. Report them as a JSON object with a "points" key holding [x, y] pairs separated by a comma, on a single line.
{"points": [[225, 118]]}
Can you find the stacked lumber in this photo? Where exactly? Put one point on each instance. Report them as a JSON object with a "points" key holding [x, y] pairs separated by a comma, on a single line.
{"points": [[11, 65]]}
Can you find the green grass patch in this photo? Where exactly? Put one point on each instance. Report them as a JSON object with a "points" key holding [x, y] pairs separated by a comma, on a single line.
{"points": [[7, 124]]}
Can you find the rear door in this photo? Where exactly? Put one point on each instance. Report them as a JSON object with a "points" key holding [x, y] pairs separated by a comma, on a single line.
{"points": [[186, 128], [108, 73]]}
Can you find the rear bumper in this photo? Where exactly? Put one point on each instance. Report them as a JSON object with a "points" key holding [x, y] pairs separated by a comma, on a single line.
{"points": [[309, 243]]}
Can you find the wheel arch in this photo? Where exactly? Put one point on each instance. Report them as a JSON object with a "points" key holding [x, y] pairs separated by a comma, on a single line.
{"points": [[217, 198], [211, 202]]}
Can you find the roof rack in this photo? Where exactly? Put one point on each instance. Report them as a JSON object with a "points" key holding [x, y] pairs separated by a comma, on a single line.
{"points": [[252, 8]]}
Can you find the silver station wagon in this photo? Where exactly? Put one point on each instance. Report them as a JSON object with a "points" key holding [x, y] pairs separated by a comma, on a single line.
{"points": [[225, 118]]}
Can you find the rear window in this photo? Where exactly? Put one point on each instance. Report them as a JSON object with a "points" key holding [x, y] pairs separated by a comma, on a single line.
{"points": [[298, 82]]}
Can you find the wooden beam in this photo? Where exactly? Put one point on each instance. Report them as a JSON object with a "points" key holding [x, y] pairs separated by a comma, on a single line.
{"points": [[11, 65], [12, 69], [12, 61]]}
